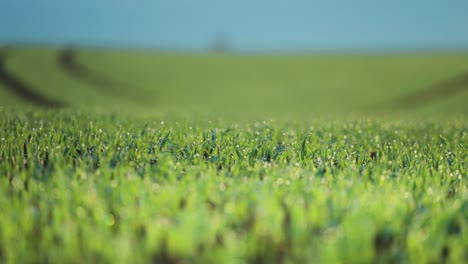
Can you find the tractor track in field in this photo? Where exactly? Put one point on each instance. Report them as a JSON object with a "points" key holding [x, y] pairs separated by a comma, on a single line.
{"points": [[67, 60], [446, 88], [22, 89]]}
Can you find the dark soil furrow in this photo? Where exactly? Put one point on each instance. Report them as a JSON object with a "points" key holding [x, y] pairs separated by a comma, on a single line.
{"points": [[23, 90], [435, 92], [68, 62]]}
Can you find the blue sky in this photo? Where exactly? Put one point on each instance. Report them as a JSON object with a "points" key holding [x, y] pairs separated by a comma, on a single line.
{"points": [[254, 25]]}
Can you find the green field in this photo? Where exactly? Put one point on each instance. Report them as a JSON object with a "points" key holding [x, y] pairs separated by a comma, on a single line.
{"points": [[135, 157]]}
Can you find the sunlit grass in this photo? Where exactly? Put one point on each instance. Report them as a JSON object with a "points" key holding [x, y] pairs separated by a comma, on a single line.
{"points": [[87, 187], [233, 158]]}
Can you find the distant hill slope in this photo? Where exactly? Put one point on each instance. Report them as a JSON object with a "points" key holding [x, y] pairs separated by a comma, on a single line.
{"points": [[239, 83]]}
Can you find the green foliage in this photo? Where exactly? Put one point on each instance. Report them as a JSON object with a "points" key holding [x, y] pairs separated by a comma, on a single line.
{"points": [[87, 187], [233, 159]]}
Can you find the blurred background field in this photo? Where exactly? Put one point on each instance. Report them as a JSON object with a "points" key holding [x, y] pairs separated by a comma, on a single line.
{"points": [[290, 84]]}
